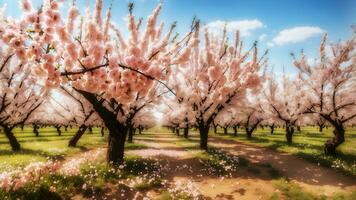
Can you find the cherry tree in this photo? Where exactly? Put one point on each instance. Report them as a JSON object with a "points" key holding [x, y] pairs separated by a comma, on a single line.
{"points": [[212, 76], [20, 93], [93, 58], [331, 80], [285, 102], [253, 115]]}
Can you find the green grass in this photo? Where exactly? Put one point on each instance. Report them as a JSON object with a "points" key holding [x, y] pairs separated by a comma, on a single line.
{"points": [[292, 191], [307, 144], [48, 145]]}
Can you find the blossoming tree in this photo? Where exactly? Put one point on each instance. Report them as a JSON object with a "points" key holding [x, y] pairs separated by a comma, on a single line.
{"points": [[332, 87], [20, 93], [96, 61], [211, 77], [285, 102]]}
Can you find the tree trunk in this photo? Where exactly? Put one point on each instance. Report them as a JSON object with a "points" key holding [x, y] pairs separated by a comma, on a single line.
{"points": [[215, 129], [272, 129], [235, 130], [102, 131], [65, 128], [249, 134], [130, 136], [339, 138], [321, 127], [298, 129], [15, 145], [139, 130], [90, 129], [35, 130], [74, 140], [116, 146], [177, 131], [289, 134], [117, 131], [225, 130], [203, 132], [186, 132], [58, 130]]}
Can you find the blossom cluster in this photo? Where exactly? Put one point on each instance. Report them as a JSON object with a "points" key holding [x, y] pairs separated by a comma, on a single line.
{"points": [[30, 174]]}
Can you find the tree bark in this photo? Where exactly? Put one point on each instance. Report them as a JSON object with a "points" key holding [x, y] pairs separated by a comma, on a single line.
{"points": [[186, 132], [203, 132], [225, 130], [272, 128], [321, 127], [117, 131], [139, 130], [130, 136], [289, 134], [339, 138], [102, 131], [249, 134], [235, 130], [35, 130], [15, 145], [74, 140], [90, 129], [58, 128], [177, 131], [116, 146]]}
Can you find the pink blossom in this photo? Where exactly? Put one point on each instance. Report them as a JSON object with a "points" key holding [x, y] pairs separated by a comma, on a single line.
{"points": [[26, 5]]}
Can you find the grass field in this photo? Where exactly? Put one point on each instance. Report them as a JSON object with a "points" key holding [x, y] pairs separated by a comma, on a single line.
{"points": [[308, 144], [47, 145]]}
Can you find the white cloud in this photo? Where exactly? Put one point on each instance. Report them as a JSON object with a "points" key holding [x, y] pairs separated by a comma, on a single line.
{"points": [[245, 26], [296, 34], [262, 37]]}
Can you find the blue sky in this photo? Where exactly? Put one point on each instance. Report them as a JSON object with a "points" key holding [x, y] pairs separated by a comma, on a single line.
{"points": [[282, 26]]}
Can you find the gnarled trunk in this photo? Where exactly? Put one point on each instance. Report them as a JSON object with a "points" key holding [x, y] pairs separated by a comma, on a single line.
{"points": [[177, 131], [117, 131], [289, 134], [186, 132], [116, 146], [74, 140], [339, 138], [203, 132], [15, 145]]}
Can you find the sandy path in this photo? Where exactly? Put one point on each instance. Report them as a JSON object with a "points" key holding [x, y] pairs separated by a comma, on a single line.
{"points": [[184, 167], [297, 169]]}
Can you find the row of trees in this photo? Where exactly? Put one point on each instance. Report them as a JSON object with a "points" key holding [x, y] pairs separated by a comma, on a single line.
{"points": [[321, 93], [80, 70]]}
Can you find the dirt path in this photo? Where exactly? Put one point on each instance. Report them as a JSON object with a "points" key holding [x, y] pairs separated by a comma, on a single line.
{"points": [[184, 167], [296, 169]]}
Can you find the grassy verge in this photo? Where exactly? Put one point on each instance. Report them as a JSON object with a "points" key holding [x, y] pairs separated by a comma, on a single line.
{"points": [[292, 191], [48, 145], [307, 144]]}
